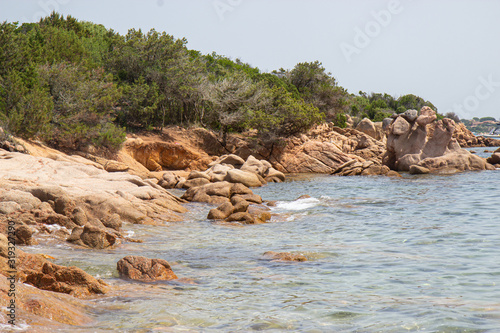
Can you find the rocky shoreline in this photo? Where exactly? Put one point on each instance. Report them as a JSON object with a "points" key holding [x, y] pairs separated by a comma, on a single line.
{"points": [[86, 201]]}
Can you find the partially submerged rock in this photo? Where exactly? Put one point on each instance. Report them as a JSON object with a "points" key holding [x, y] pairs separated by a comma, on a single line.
{"points": [[418, 170], [92, 236], [494, 159], [68, 280], [145, 269]]}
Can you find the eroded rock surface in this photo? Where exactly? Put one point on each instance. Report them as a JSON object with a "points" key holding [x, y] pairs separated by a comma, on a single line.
{"points": [[410, 143]]}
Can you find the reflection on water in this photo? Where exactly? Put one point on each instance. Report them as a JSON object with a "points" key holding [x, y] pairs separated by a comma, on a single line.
{"points": [[385, 255]]}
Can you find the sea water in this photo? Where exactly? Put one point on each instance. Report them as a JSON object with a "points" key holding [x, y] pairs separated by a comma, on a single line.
{"points": [[411, 254]]}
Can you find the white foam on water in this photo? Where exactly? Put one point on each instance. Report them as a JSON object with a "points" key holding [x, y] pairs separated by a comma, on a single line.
{"points": [[56, 227], [299, 204]]}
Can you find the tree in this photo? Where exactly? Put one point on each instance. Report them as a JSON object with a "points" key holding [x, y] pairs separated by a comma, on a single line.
{"points": [[453, 116], [84, 102], [232, 100], [26, 105], [283, 115], [165, 61], [140, 104], [318, 87], [411, 101]]}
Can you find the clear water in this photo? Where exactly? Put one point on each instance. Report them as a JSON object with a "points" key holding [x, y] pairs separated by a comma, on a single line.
{"points": [[417, 254]]}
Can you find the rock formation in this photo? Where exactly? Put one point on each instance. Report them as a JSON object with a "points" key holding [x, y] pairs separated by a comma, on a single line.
{"points": [[466, 139], [220, 193], [410, 143], [145, 269], [34, 269], [372, 129], [159, 155], [367, 168], [322, 150], [239, 210]]}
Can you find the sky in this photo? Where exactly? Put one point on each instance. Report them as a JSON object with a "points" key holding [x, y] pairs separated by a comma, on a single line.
{"points": [[445, 51]]}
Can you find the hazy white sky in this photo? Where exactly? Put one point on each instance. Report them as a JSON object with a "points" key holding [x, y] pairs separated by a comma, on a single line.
{"points": [[446, 51]]}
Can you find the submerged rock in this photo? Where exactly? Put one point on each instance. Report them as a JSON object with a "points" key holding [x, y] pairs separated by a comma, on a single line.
{"points": [[284, 256]]}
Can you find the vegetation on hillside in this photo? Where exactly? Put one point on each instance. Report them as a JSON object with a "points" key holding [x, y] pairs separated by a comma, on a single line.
{"points": [[482, 125], [73, 84]]}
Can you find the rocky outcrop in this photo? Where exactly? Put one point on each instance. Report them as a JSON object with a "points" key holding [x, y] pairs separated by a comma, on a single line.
{"points": [[145, 269], [466, 139], [161, 155], [73, 193], [410, 143], [321, 150], [92, 236], [41, 308], [229, 168], [324, 149]]}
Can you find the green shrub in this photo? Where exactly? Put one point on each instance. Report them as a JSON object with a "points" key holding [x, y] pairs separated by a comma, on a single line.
{"points": [[341, 120]]}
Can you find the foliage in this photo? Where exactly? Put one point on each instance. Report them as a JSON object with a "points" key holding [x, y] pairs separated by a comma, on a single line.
{"points": [[73, 83], [452, 115], [233, 100], [26, 106], [341, 120], [284, 115], [379, 106], [487, 119], [318, 87], [139, 104], [83, 105]]}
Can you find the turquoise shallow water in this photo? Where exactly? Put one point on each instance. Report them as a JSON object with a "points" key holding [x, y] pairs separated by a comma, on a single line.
{"points": [[416, 254]]}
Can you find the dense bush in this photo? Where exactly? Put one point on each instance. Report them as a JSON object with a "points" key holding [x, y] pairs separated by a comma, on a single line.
{"points": [[379, 106]]}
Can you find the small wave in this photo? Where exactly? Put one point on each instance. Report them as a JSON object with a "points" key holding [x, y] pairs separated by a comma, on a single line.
{"points": [[299, 204], [56, 227]]}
